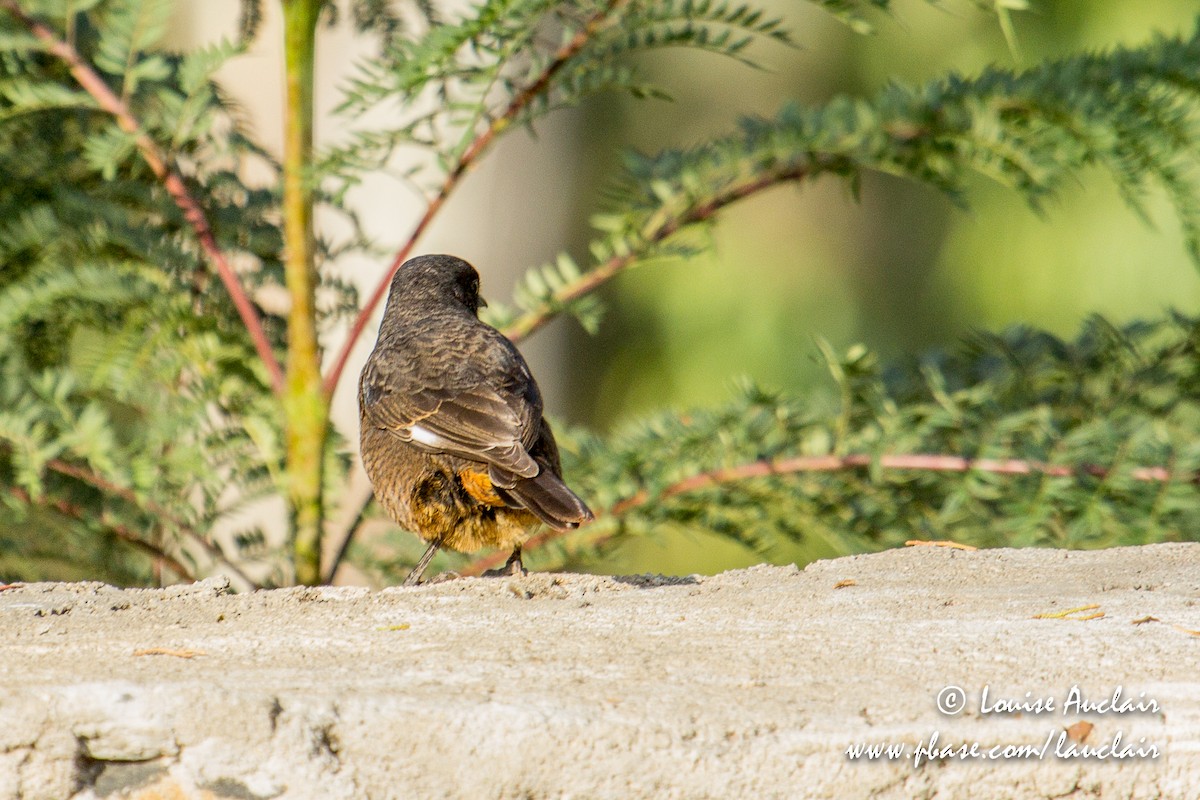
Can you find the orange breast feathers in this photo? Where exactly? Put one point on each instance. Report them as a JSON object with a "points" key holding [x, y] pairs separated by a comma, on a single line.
{"points": [[479, 486]]}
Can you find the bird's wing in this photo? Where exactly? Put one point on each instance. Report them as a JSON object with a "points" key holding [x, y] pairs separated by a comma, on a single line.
{"points": [[477, 422]]}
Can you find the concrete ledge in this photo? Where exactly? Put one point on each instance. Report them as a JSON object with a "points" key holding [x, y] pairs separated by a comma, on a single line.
{"points": [[753, 683]]}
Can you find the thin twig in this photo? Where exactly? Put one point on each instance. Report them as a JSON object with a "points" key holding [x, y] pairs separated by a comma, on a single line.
{"points": [[107, 486], [166, 651], [120, 531], [946, 543], [932, 462], [593, 279], [351, 531], [91, 82], [470, 155], [1074, 614]]}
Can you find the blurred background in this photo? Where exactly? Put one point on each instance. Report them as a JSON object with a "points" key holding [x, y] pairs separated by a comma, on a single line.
{"points": [[900, 269]]}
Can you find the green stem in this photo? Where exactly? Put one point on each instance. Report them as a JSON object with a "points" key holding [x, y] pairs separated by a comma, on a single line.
{"points": [[305, 405]]}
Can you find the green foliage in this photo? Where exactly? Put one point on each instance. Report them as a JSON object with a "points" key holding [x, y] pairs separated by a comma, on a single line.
{"points": [[135, 416], [129, 387], [514, 61], [1133, 113], [765, 470]]}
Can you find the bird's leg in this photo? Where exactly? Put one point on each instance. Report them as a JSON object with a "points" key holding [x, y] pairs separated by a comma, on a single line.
{"points": [[414, 577], [511, 567], [514, 566]]}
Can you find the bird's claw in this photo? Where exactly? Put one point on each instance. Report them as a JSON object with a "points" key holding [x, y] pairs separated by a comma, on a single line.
{"points": [[511, 567]]}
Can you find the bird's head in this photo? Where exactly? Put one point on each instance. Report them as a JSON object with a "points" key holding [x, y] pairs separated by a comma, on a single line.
{"points": [[438, 277]]}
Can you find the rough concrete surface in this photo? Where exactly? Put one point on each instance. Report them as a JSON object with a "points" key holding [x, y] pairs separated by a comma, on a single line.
{"points": [[752, 683]]}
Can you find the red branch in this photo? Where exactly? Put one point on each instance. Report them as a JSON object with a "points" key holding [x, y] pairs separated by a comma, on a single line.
{"points": [[118, 530], [474, 150], [931, 462], [593, 279], [107, 486], [91, 82]]}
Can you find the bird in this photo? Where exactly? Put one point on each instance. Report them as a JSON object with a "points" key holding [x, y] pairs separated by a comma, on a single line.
{"points": [[452, 434]]}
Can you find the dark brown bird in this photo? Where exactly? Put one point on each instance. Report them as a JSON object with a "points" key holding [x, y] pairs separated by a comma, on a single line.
{"points": [[451, 425]]}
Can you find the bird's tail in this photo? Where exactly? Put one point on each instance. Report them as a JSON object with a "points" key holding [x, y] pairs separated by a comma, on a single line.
{"points": [[549, 499]]}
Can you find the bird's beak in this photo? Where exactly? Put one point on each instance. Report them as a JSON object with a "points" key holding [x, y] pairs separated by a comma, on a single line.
{"points": [[482, 303]]}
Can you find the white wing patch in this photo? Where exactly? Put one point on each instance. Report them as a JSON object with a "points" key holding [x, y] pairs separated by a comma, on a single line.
{"points": [[427, 437], [510, 456]]}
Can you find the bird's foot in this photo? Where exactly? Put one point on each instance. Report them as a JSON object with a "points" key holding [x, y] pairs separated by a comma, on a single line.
{"points": [[511, 567], [444, 577]]}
